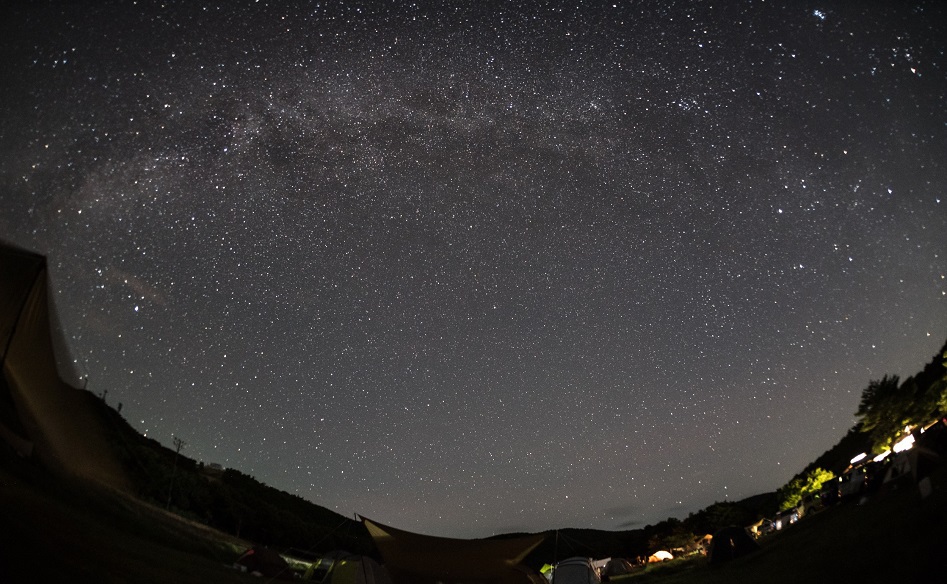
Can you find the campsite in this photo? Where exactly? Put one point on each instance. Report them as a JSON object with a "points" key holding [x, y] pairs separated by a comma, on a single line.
{"points": [[82, 493], [60, 532]]}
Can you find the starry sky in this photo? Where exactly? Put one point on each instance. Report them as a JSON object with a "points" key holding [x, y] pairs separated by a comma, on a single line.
{"points": [[473, 268]]}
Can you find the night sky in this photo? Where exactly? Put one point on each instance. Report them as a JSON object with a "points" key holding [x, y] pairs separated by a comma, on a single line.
{"points": [[477, 269]]}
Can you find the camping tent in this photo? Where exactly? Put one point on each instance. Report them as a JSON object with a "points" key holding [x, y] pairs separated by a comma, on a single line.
{"points": [[415, 558], [660, 556], [617, 567], [264, 562], [344, 568], [575, 571], [730, 543], [43, 415]]}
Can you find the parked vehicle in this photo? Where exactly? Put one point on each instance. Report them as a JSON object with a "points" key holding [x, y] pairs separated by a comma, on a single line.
{"points": [[828, 492], [784, 518], [811, 503], [852, 483]]}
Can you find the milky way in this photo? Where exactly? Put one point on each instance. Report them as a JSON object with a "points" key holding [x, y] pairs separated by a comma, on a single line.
{"points": [[469, 270]]}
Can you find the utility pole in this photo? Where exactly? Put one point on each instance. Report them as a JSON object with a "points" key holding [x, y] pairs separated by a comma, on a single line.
{"points": [[178, 445]]}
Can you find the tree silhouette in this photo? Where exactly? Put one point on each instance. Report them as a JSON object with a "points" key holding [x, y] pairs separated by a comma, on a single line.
{"points": [[886, 407], [882, 411]]}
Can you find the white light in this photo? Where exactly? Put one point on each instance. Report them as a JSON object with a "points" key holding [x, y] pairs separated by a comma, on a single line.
{"points": [[904, 444], [858, 458], [881, 456]]}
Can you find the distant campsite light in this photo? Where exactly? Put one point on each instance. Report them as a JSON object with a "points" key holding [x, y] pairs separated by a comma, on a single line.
{"points": [[881, 456], [905, 444], [858, 458]]}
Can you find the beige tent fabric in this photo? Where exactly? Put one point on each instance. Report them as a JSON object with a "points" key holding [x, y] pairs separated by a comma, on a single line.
{"points": [[412, 557], [341, 567], [19, 270], [57, 418]]}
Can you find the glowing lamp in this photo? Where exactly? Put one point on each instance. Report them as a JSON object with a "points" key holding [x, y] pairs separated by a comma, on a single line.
{"points": [[905, 444]]}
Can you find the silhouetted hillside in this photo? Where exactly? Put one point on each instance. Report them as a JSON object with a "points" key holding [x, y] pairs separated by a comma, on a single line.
{"points": [[235, 503], [226, 499]]}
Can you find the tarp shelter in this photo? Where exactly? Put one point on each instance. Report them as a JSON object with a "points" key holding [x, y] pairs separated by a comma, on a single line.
{"points": [[703, 543], [899, 467], [914, 464], [56, 418], [344, 568], [731, 543], [412, 558]]}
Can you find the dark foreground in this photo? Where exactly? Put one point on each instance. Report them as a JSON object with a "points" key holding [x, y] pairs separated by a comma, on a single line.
{"points": [[61, 531], [894, 537], [58, 531]]}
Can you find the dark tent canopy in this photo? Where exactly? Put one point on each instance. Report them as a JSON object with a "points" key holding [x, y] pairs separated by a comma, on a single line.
{"points": [[41, 414], [419, 559], [731, 543]]}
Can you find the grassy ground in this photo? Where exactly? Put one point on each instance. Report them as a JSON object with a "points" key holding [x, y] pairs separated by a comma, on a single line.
{"points": [[895, 537], [53, 530]]}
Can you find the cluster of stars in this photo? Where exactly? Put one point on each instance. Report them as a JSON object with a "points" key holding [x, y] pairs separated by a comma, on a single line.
{"points": [[473, 269]]}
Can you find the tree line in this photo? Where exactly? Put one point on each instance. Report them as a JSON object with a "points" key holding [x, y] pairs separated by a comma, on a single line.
{"points": [[889, 410]]}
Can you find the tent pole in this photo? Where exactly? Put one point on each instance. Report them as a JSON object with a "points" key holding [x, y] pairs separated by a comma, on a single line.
{"points": [[555, 551]]}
